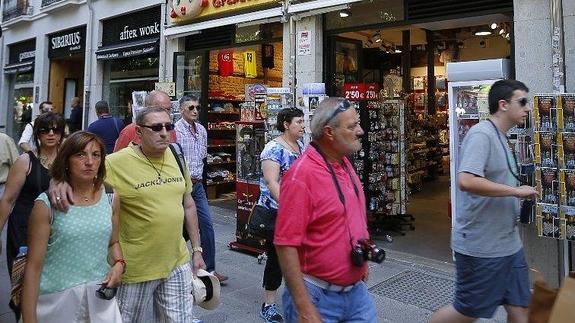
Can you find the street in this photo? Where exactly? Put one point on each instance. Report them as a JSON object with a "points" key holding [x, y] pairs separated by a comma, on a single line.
{"points": [[405, 288]]}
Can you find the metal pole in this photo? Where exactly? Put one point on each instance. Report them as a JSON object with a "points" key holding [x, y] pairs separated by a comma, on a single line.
{"points": [[557, 46]]}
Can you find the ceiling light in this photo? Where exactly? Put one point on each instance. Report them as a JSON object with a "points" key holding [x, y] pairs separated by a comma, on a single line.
{"points": [[345, 13], [398, 51], [493, 25], [482, 32], [502, 31]]}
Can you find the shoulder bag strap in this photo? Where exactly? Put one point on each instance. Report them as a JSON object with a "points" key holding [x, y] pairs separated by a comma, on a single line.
{"points": [[178, 153]]}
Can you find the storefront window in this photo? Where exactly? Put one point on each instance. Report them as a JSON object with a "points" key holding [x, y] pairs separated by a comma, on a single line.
{"points": [[259, 32], [134, 67], [365, 13], [124, 76]]}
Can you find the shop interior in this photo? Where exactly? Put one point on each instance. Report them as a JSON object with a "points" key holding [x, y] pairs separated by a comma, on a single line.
{"points": [[379, 56], [23, 85], [219, 76], [66, 82]]}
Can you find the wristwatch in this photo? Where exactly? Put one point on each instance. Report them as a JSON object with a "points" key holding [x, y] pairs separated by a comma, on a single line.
{"points": [[197, 249]]}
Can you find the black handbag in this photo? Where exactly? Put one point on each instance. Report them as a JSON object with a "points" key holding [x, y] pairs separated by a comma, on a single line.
{"points": [[262, 222]]}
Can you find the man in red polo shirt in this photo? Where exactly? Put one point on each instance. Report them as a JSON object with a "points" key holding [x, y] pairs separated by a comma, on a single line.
{"points": [[321, 218], [156, 99]]}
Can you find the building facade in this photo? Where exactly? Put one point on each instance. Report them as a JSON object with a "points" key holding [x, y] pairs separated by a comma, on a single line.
{"points": [[106, 49]]}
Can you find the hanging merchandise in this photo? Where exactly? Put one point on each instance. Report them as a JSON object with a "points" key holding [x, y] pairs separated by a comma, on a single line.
{"points": [[381, 162], [226, 62], [250, 66], [554, 148], [268, 56]]}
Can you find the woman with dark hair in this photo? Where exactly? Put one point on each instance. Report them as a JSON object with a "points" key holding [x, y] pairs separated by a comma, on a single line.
{"points": [[70, 255], [28, 177], [276, 158]]}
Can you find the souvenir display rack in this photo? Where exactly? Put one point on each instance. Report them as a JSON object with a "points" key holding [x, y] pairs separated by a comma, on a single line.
{"points": [[554, 148], [381, 165]]}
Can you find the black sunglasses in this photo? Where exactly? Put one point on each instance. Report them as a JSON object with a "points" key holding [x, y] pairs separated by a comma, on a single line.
{"points": [[55, 130], [159, 126], [197, 107], [341, 107], [522, 102]]}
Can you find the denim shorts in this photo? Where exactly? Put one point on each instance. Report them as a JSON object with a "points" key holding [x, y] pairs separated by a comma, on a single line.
{"points": [[485, 283], [355, 305]]}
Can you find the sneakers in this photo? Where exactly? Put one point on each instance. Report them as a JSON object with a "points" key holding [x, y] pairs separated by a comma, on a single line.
{"points": [[271, 313]]}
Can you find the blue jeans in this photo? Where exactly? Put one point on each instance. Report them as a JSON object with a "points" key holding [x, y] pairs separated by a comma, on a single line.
{"points": [[206, 226], [353, 306]]}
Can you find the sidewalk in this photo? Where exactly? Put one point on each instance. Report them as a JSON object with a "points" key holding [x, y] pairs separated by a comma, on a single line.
{"points": [[405, 288]]}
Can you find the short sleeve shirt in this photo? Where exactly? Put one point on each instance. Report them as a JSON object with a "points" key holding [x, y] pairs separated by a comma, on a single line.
{"points": [[486, 226], [151, 212], [275, 152], [312, 219]]}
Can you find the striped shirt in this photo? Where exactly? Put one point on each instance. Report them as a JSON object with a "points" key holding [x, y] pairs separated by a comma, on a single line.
{"points": [[194, 146]]}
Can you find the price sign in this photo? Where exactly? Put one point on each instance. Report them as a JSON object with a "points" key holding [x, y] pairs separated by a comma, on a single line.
{"points": [[361, 91], [371, 91], [354, 91]]}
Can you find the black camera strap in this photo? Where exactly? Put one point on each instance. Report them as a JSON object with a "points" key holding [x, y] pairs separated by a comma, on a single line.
{"points": [[506, 155], [338, 187]]}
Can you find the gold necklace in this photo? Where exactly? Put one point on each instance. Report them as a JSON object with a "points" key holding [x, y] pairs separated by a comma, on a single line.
{"points": [[85, 196], [44, 161]]}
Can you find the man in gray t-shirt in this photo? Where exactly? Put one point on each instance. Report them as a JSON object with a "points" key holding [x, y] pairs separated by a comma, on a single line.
{"points": [[489, 258]]}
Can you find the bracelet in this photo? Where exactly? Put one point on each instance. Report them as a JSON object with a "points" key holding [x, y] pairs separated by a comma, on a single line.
{"points": [[123, 262]]}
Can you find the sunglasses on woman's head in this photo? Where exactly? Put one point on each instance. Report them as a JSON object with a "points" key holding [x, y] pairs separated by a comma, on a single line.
{"points": [[55, 130], [159, 126]]}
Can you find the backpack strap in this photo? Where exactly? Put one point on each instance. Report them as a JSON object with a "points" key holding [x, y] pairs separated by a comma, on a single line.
{"points": [[179, 154], [109, 192]]}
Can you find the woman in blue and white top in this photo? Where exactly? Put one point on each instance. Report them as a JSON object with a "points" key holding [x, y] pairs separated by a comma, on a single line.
{"points": [[276, 158], [70, 255]]}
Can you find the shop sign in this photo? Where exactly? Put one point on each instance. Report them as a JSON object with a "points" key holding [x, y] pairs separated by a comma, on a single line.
{"points": [[130, 52], [22, 52], [67, 43], [144, 24], [183, 12], [360, 91]]}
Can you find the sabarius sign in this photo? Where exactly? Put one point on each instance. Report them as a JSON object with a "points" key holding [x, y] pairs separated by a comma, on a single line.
{"points": [[67, 43]]}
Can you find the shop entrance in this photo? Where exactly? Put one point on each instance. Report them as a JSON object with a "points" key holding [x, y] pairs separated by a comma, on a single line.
{"points": [[408, 183], [219, 74], [66, 82]]}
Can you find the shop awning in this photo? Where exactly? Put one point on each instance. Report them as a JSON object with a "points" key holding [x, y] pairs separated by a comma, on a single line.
{"points": [[190, 29], [19, 67], [131, 49]]}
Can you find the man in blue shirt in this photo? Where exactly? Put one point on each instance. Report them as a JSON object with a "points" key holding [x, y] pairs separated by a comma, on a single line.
{"points": [[106, 127]]}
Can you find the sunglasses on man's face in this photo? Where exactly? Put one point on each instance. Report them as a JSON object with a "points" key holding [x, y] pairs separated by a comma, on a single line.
{"points": [[196, 107], [159, 126], [522, 102], [55, 130]]}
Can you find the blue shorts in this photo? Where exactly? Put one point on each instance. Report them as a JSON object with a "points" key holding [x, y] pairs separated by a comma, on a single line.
{"points": [[485, 283]]}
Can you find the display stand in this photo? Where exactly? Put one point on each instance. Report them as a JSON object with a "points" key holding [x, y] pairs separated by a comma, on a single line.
{"points": [[381, 162]]}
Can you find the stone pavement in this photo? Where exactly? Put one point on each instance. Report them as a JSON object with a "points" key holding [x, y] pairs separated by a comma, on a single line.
{"points": [[405, 288]]}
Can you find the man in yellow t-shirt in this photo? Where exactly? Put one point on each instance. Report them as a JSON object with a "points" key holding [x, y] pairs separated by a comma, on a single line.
{"points": [[155, 198]]}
